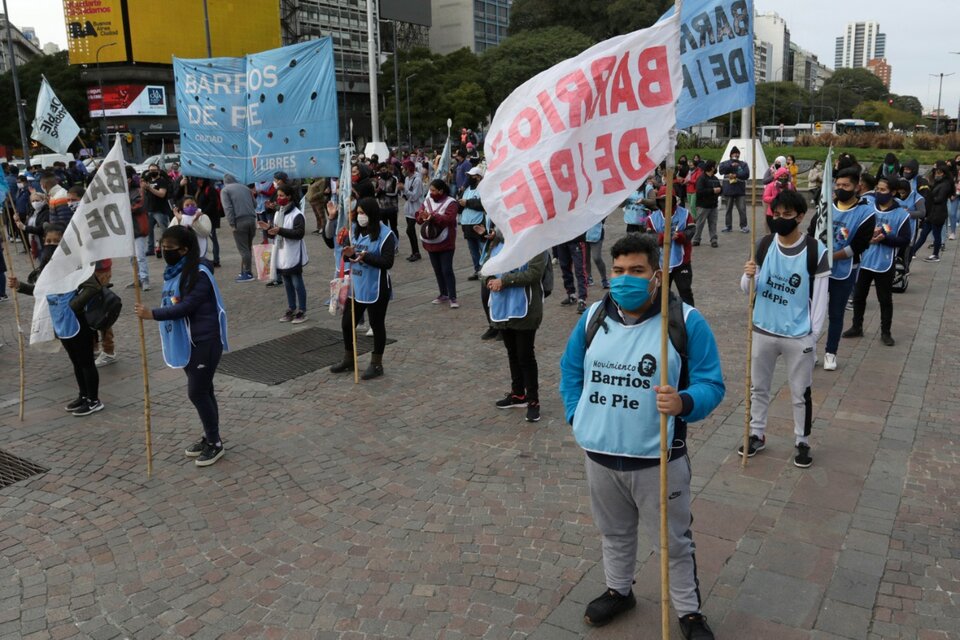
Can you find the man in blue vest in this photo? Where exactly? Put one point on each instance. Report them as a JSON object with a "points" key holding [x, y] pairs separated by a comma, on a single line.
{"points": [[792, 279], [609, 385]]}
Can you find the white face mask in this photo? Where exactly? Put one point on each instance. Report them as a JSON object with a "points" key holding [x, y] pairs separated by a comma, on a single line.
{"points": [[363, 219], [37, 205]]}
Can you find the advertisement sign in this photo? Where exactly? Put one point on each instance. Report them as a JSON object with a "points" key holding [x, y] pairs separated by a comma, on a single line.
{"points": [[127, 100], [253, 116], [95, 25]]}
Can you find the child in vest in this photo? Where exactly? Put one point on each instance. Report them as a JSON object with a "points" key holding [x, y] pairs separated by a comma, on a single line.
{"points": [[788, 314], [193, 332], [683, 227]]}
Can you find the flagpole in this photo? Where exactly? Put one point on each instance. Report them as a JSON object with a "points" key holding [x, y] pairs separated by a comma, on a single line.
{"points": [[146, 375], [353, 321], [23, 234], [748, 400], [16, 308], [665, 381]]}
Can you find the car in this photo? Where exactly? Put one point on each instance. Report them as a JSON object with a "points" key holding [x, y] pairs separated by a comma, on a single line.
{"points": [[168, 160]]}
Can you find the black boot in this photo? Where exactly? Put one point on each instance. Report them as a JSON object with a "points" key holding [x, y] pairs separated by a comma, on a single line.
{"points": [[856, 331], [344, 365], [374, 369], [490, 334]]}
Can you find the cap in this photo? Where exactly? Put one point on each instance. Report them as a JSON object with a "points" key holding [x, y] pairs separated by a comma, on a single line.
{"points": [[476, 171], [734, 150]]}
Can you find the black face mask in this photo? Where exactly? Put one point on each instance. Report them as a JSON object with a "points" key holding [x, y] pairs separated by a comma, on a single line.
{"points": [[883, 198], [844, 195], [47, 252], [171, 257], [474, 182], [783, 226], [907, 176]]}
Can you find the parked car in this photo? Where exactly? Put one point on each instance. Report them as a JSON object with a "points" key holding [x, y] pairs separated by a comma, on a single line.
{"points": [[168, 160]]}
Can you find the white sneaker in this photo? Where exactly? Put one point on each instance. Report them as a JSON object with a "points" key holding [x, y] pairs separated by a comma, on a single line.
{"points": [[369, 331], [829, 362], [361, 328], [105, 358], [952, 236]]}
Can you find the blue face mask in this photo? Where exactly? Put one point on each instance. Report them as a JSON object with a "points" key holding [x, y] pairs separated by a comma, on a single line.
{"points": [[630, 292]]}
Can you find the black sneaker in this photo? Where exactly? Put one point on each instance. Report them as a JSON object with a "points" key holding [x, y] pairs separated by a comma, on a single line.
{"points": [[194, 450], [490, 334], [726, 230], [475, 276], [88, 407], [694, 626], [696, 243], [853, 332], [413, 258], [757, 443], [512, 401], [76, 404], [533, 412], [569, 300], [607, 607], [802, 459], [887, 339], [210, 454], [581, 306]]}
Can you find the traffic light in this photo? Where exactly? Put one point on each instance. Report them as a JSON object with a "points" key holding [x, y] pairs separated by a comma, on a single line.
{"points": [[890, 102]]}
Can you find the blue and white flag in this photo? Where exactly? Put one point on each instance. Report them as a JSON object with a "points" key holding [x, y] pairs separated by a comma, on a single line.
{"points": [[53, 125], [825, 208], [444, 167], [716, 50]]}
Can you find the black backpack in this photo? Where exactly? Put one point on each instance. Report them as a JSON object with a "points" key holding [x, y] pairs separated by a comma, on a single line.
{"points": [[676, 329], [813, 256], [103, 309]]}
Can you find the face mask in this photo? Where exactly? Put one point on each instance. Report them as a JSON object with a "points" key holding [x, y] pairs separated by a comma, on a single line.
{"points": [[37, 205], [190, 209], [783, 183], [355, 178], [776, 164], [889, 168], [283, 201], [474, 182], [47, 252], [844, 195], [73, 205], [734, 158], [907, 176], [172, 257], [363, 219], [782, 226], [883, 198], [630, 292], [437, 198]]}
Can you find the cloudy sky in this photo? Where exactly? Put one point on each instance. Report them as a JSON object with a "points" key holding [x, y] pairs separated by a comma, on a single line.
{"points": [[920, 36]]}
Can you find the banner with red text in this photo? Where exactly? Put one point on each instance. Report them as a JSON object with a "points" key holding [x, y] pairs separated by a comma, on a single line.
{"points": [[568, 146]]}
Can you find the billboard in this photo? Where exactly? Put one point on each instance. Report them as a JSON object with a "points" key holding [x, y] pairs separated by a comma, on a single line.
{"points": [[92, 26], [127, 100], [237, 28]]}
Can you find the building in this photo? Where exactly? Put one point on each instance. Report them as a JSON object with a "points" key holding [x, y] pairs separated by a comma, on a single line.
{"points": [[51, 48], [860, 43], [23, 47], [761, 60], [771, 28], [824, 73], [477, 24], [880, 68]]}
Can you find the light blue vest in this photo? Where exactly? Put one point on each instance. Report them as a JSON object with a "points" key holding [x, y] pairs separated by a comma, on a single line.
{"points": [[366, 279], [595, 233], [510, 303], [633, 211], [617, 413], [845, 226], [679, 223], [879, 257], [175, 341], [471, 216], [65, 322], [782, 305], [910, 203]]}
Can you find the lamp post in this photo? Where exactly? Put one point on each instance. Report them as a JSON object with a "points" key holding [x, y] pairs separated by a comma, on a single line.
{"points": [[396, 81], [103, 111], [409, 135], [16, 90], [206, 24], [939, 97], [774, 118]]}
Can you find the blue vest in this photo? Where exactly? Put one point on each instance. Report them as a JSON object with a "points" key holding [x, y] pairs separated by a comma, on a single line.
{"points": [[175, 339], [471, 216], [617, 412], [510, 303], [782, 305], [366, 279], [845, 226], [910, 204], [879, 257], [679, 224], [595, 233], [65, 321]]}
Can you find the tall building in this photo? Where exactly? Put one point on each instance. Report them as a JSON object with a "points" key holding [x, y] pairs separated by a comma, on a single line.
{"points": [[23, 47], [880, 68], [477, 24], [804, 68], [860, 43], [771, 28], [761, 57]]}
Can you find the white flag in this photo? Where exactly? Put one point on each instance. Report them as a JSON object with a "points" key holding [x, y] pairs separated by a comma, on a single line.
{"points": [[52, 124], [568, 146], [100, 228]]}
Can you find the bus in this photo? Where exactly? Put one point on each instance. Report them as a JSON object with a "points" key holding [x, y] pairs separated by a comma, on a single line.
{"points": [[841, 127], [784, 134]]}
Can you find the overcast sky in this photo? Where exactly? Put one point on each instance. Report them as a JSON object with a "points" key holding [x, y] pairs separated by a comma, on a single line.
{"points": [[920, 36]]}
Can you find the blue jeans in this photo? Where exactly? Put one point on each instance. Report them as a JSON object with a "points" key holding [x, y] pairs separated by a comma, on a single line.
{"points": [[293, 283], [839, 293], [925, 230], [953, 211], [216, 245], [475, 246]]}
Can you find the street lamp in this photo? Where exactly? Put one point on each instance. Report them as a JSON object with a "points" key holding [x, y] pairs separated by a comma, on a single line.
{"points": [[103, 111], [939, 96], [409, 135], [775, 94], [16, 89]]}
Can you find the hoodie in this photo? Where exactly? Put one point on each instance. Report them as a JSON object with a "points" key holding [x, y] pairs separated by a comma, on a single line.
{"points": [[237, 200], [889, 167]]}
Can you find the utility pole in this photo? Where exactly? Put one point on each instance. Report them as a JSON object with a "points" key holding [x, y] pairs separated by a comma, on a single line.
{"points": [[409, 135], [396, 81], [16, 90], [372, 74], [206, 23], [939, 97]]}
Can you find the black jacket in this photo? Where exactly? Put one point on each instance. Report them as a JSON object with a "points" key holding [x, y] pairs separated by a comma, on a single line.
{"points": [[706, 197], [937, 199]]}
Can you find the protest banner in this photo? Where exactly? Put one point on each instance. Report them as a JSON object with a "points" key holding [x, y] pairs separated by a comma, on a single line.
{"points": [[253, 116], [53, 125], [569, 145]]}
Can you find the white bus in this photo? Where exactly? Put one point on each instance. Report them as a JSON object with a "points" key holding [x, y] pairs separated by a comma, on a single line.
{"points": [[784, 134]]}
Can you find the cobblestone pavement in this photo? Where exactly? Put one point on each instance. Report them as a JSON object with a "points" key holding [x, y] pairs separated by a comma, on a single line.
{"points": [[408, 507]]}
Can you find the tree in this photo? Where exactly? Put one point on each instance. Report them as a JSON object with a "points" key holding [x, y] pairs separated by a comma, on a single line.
{"points": [[910, 104], [597, 19], [881, 111], [846, 89], [466, 105], [781, 103]]}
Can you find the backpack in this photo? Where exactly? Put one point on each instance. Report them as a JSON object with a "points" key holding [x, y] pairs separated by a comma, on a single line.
{"points": [[103, 309], [546, 281], [813, 257], [676, 329]]}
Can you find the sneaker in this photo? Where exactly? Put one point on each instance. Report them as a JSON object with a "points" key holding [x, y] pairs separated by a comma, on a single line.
{"points": [[105, 359], [829, 362], [216, 264], [88, 407], [287, 316], [273, 283], [533, 412], [590, 281], [849, 305], [244, 277], [581, 306], [440, 300], [802, 459], [3, 298], [696, 243], [555, 261], [757, 443], [131, 285], [853, 332], [369, 332], [952, 236], [490, 334], [299, 318], [714, 244], [454, 304], [693, 626], [744, 229], [76, 404], [726, 230], [210, 454], [361, 328], [512, 401], [887, 339], [145, 286], [933, 258], [569, 300], [194, 450], [475, 276], [606, 284], [413, 258], [607, 607]]}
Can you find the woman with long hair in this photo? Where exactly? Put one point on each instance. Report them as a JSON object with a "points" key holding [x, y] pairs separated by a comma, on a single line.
{"points": [[193, 332], [438, 223], [290, 252]]}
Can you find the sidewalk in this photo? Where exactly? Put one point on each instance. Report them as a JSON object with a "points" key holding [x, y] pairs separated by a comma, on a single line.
{"points": [[408, 507]]}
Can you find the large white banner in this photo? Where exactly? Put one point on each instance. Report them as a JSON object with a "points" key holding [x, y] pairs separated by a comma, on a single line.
{"points": [[568, 146], [100, 228], [52, 124]]}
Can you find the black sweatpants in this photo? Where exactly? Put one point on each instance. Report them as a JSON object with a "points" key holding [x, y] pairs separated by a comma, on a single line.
{"points": [[376, 316], [522, 355], [682, 276], [204, 358], [884, 284], [80, 350], [412, 236]]}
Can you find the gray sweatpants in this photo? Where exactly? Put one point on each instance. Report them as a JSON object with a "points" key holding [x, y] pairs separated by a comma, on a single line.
{"points": [[244, 234], [799, 356], [621, 499], [704, 217]]}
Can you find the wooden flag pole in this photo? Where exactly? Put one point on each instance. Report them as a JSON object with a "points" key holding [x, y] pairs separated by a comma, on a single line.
{"points": [[23, 234], [16, 310], [146, 374], [353, 321], [664, 418], [753, 256]]}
